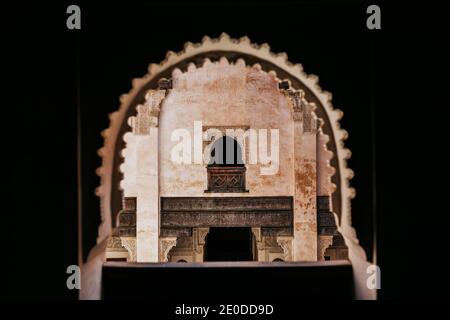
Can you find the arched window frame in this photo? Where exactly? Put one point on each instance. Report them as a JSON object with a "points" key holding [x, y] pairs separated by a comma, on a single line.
{"points": [[226, 177]]}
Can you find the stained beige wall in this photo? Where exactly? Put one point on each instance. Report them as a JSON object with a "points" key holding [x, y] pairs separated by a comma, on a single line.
{"points": [[223, 94]]}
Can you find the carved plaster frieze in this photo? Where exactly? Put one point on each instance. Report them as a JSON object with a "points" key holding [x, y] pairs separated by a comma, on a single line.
{"points": [[297, 99], [309, 118], [199, 239], [129, 243], [324, 243], [302, 110], [270, 242], [147, 113], [165, 245], [286, 244], [259, 239], [202, 233]]}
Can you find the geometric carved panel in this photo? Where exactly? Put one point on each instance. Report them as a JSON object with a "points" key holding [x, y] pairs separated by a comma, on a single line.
{"points": [[226, 179]]}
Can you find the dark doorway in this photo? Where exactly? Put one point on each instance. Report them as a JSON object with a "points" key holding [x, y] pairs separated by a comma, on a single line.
{"points": [[229, 244], [226, 151]]}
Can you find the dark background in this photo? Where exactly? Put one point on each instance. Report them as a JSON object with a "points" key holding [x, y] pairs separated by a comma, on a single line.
{"points": [[388, 82]]}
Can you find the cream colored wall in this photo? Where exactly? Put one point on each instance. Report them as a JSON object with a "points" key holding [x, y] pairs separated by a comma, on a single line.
{"points": [[223, 94]]}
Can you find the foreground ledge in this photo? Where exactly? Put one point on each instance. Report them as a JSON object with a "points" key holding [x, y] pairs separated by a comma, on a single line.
{"points": [[228, 281]]}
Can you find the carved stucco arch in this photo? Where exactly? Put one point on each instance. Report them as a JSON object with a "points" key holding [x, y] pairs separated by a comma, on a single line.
{"points": [[232, 49]]}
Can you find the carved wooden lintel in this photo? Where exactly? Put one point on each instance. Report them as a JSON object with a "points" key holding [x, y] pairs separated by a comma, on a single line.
{"points": [[239, 218], [276, 231], [183, 204], [176, 232], [126, 218], [188, 212], [129, 204]]}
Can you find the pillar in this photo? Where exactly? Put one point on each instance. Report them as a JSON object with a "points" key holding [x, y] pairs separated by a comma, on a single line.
{"points": [[260, 246], [145, 181], [304, 245], [199, 240], [147, 209]]}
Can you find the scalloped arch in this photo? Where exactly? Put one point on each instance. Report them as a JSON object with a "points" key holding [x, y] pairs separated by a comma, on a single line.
{"points": [[260, 53]]}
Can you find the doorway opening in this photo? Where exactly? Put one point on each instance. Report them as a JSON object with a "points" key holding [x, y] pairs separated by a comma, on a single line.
{"points": [[229, 244]]}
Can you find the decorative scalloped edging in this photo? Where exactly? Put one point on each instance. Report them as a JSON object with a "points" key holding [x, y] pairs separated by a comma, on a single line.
{"points": [[242, 45]]}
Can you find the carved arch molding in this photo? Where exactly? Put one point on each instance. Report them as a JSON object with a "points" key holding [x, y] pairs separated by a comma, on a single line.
{"points": [[232, 49]]}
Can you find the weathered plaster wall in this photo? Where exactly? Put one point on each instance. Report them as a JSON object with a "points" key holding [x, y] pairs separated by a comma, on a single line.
{"points": [[223, 94], [140, 169], [305, 173]]}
